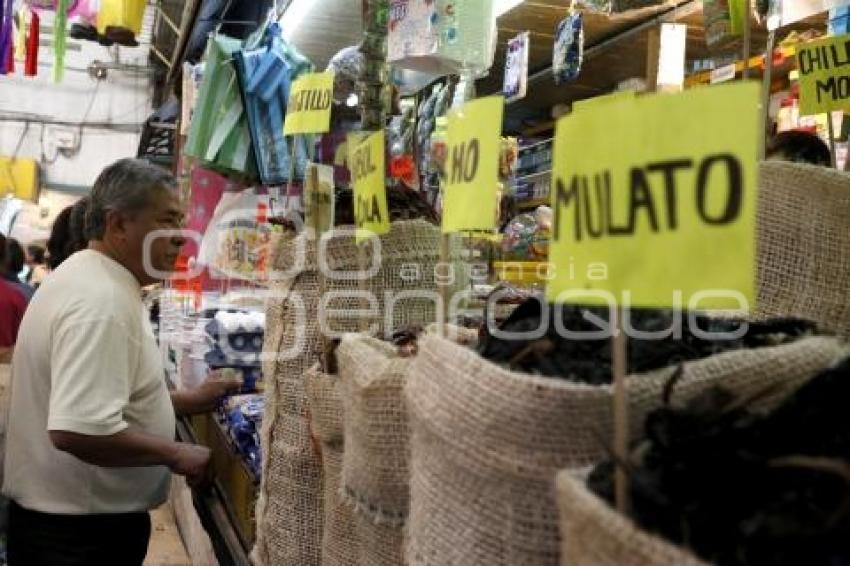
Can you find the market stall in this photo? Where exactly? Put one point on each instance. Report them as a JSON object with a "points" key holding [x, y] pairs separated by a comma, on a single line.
{"points": [[389, 197]]}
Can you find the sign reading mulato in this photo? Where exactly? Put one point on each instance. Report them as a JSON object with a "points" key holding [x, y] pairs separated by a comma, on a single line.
{"points": [[824, 67], [654, 201], [309, 107]]}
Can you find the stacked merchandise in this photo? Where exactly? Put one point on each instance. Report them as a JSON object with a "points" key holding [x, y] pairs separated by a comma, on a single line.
{"points": [[236, 342], [242, 417]]}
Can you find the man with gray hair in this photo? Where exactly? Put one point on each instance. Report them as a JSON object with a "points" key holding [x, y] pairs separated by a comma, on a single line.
{"points": [[90, 439]]}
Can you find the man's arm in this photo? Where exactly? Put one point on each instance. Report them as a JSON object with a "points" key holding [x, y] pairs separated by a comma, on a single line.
{"points": [[204, 399], [135, 449]]}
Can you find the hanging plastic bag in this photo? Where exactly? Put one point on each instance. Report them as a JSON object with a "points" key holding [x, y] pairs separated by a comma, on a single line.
{"points": [[569, 49], [719, 31], [442, 36], [219, 133], [266, 73]]}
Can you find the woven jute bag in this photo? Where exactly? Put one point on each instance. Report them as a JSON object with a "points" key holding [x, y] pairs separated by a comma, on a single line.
{"points": [[595, 534], [402, 279], [804, 244], [375, 474], [486, 442], [340, 542]]}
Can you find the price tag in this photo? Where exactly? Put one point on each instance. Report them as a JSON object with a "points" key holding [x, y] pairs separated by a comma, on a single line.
{"points": [[824, 67], [471, 195], [655, 199], [724, 74], [366, 163], [309, 107]]}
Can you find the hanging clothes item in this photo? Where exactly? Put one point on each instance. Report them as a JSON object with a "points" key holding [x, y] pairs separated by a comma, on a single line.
{"points": [[60, 25], [442, 36], [121, 20], [6, 35], [218, 134], [31, 59], [266, 71], [20, 20], [234, 19], [10, 53]]}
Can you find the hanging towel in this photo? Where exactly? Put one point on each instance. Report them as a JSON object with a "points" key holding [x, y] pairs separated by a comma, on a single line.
{"points": [[5, 33], [31, 61], [265, 74], [60, 25]]}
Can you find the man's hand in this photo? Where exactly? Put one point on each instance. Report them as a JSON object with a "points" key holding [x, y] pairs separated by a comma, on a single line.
{"points": [[193, 462], [203, 399]]}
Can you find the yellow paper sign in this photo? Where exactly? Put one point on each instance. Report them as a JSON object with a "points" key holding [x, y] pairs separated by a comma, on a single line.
{"points": [[604, 99], [824, 68], [472, 168], [319, 201], [366, 163], [309, 108], [19, 178], [655, 199]]}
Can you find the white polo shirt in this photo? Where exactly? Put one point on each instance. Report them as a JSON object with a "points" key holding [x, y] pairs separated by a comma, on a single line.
{"points": [[86, 361]]}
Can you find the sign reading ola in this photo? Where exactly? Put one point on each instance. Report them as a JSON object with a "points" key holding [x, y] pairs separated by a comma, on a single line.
{"points": [[366, 162], [309, 107], [824, 67], [669, 208]]}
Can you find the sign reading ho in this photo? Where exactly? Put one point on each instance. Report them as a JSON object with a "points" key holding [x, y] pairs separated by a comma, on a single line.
{"points": [[667, 209], [824, 67], [470, 201]]}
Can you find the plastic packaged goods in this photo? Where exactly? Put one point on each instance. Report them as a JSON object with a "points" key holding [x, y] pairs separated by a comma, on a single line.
{"points": [[516, 68], [568, 53], [719, 22], [443, 36]]}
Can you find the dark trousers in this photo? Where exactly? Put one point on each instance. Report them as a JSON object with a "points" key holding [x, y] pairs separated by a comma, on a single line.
{"points": [[43, 539]]}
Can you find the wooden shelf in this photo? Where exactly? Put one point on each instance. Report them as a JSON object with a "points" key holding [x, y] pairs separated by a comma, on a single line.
{"points": [[547, 173], [757, 62], [532, 203]]}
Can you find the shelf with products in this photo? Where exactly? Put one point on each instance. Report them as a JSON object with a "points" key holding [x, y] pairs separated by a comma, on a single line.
{"points": [[783, 60]]}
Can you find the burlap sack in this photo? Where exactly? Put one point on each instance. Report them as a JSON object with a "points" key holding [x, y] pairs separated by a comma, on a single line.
{"points": [[375, 473], [403, 282], [340, 545], [486, 442], [804, 244], [594, 534]]}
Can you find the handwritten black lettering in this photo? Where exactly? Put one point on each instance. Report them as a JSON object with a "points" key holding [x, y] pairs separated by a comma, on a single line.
{"points": [[735, 191]]}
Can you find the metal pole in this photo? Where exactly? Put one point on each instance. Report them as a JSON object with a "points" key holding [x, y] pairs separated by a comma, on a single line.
{"points": [[747, 39], [768, 79]]}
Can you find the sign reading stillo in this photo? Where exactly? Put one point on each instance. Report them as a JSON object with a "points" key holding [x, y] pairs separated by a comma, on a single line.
{"points": [[309, 107], [470, 201], [654, 201], [367, 165], [824, 67]]}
